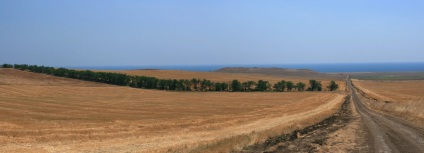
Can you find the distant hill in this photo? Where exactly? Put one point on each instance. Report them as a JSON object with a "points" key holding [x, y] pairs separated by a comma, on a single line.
{"points": [[275, 71]]}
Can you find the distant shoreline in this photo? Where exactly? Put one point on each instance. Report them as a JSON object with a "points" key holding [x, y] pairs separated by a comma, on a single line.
{"points": [[323, 68]]}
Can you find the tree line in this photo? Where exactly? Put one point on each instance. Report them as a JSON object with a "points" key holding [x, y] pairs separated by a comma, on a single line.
{"points": [[194, 84]]}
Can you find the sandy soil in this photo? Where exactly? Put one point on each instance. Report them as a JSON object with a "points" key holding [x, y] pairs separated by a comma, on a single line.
{"points": [[41, 113]]}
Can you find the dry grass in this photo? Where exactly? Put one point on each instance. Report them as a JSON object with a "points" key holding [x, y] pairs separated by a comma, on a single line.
{"points": [[40, 113], [402, 98], [223, 77]]}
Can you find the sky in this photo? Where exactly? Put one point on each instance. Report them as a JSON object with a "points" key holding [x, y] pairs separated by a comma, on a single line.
{"points": [[210, 32]]}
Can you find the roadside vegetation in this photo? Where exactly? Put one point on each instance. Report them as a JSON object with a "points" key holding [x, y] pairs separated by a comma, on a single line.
{"points": [[147, 82]]}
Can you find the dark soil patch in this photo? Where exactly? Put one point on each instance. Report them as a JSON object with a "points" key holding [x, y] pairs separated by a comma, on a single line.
{"points": [[305, 140]]}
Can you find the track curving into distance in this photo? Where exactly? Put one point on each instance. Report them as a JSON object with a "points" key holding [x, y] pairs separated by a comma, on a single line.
{"points": [[387, 133]]}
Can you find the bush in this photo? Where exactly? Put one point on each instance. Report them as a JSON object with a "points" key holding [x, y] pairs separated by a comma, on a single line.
{"points": [[333, 86]]}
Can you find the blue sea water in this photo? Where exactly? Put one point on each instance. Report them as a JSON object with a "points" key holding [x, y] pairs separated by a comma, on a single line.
{"points": [[325, 68]]}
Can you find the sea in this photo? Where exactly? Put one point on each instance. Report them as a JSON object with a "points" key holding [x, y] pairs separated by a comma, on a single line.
{"points": [[324, 68]]}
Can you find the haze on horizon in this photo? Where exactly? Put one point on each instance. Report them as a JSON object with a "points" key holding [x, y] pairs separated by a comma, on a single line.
{"points": [[98, 33]]}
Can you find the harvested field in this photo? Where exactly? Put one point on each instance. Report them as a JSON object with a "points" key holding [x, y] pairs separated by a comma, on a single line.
{"points": [[305, 73], [214, 76], [402, 98], [396, 91], [223, 77], [41, 113], [387, 75]]}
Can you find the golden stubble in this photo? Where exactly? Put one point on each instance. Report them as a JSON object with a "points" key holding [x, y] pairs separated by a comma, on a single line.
{"points": [[41, 113], [401, 98]]}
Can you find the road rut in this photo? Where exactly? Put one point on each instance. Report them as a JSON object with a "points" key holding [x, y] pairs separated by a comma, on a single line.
{"points": [[387, 133]]}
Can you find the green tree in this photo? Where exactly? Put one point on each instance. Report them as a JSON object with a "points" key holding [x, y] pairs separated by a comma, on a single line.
{"points": [[289, 85], [209, 85], [165, 84], [195, 83], [187, 85], [218, 86], [280, 86], [206, 85], [173, 85], [300, 86], [315, 85], [225, 86], [333, 86], [244, 86], [221, 86], [151, 83], [247, 86], [235, 85], [7, 66], [180, 85], [263, 85], [203, 85]]}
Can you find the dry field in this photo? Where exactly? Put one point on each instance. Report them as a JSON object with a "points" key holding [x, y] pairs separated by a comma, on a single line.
{"points": [[223, 77], [402, 98], [41, 113]]}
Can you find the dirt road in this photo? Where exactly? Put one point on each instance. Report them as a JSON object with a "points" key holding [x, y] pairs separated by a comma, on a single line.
{"points": [[386, 133], [359, 130]]}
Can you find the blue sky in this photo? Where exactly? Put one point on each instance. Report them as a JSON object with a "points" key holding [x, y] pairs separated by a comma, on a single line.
{"points": [[189, 32]]}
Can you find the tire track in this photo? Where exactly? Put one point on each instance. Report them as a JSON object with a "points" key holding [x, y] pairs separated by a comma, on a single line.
{"points": [[389, 134]]}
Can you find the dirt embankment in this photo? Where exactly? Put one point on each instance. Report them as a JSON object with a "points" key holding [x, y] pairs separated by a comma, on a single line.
{"points": [[309, 139]]}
